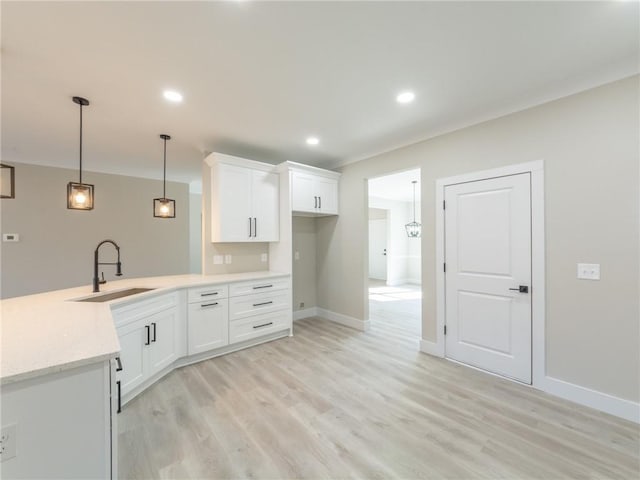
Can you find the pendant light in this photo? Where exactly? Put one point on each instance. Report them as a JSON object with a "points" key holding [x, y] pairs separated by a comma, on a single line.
{"points": [[414, 229], [164, 207], [80, 195]]}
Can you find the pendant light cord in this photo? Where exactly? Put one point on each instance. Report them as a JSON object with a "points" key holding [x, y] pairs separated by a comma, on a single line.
{"points": [[81, 143], [164, 174], [414, 202]]}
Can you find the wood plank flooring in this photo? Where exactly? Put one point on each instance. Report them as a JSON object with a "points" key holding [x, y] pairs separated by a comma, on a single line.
{"points": [[332, 402]]}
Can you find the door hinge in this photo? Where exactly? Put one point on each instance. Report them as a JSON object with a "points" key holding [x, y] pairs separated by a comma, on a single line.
{"points": [[445, 329], [444, 267]]}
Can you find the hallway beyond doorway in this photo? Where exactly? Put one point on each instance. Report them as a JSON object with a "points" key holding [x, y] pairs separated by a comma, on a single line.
{"points": [[399, 306]]}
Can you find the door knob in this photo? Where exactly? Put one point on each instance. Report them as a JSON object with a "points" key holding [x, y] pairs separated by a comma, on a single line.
{"points": [[521, 289]]}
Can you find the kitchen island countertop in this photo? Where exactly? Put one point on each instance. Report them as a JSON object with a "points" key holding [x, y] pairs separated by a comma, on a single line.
{"points": [[50, 332]]}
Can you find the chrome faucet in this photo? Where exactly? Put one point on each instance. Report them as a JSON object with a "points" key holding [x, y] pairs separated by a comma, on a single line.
{"points": [[96, 281]]}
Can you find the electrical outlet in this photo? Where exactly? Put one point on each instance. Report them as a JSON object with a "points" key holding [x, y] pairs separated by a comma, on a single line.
{"points": [[264, 257], [589, 271], [301, 304], [218, 259], [296, 256], [227, 259], [10, 237], [8, 442]]}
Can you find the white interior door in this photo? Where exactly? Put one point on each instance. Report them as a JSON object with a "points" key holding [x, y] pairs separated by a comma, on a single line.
{"points": [[488, 258], [378, 249]]}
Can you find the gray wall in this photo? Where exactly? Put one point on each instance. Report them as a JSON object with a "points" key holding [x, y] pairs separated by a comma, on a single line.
{"points": [[589, 143], [56, 244], [304, 269]]}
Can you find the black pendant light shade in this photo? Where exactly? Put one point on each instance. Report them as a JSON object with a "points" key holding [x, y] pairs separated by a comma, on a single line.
{"points": [[80, 195], [164, 207], [414, 229]]}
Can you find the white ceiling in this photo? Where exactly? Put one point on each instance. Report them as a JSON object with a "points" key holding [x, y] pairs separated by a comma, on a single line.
{"points": [[258, 77], [397, 186]]}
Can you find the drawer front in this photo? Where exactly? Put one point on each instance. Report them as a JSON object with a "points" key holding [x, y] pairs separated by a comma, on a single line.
{"points": [[208, 326], [208, 292], [258, 286], [253, 327], [249, 305], [125, 314]]}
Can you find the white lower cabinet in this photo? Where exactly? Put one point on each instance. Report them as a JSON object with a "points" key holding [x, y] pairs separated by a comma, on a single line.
{"points": [[257, 326], [208, 326], [258, 308], [147, 334], [152, 332]]}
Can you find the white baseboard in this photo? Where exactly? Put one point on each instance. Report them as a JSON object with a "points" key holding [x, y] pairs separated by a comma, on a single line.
{"points": [[431, 348], [305, 313], [592, 398], [362, 325]]}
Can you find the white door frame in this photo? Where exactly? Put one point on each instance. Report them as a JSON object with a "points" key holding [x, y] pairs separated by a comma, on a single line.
{"points": [[536, 169]]}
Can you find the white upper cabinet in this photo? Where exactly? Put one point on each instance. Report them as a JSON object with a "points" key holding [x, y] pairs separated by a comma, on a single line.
{"points": [[313, 191], [244, 200]]}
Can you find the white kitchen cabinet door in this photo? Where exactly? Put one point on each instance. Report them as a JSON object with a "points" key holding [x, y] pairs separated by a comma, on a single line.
{"points": [[303, 196], [162, 349], [315, 194], [244, 204], [133, 355], [265, 188], [231, 204], [208, 326], [327, 191]]}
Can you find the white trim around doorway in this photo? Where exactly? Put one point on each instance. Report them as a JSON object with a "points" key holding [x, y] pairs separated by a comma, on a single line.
{"points": [[536, 169]]}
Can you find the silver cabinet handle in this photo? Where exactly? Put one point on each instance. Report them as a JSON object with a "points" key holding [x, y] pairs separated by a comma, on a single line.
{"points": [[208, 294], [208, 304], [263, 286]]}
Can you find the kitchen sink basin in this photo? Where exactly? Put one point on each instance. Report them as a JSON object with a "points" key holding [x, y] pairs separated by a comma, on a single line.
{"points": [[105, 297]]}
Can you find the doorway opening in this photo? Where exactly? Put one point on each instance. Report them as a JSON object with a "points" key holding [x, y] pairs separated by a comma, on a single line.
{"points": [[394, 258]]}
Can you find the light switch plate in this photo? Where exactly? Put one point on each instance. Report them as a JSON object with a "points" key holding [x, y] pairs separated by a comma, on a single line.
{"points": [[227, 259], [296, 256], [589, 271], [218, 259], [263, 257]]}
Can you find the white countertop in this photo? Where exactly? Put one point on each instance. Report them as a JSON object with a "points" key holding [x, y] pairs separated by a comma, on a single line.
{"points": [[48, 332]]}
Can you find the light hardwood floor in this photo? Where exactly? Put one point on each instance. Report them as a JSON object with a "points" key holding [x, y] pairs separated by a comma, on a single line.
{"points": [[332, 402]]}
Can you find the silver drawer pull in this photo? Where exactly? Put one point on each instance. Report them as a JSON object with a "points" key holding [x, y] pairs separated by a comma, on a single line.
{"points": [[263, 303], [208, 294], [208, 304], [263, 286], [263, 325]]}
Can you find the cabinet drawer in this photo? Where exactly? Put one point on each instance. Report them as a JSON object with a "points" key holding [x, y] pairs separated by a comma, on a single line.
{"points": [[258, 286], [248, 305], [208, 326], [125, 314], [208, 292], [257, 326]]}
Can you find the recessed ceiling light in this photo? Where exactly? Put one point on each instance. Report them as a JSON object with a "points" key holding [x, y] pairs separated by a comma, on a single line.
{"points": [[172, 95], [313, 141], [405, 97]]}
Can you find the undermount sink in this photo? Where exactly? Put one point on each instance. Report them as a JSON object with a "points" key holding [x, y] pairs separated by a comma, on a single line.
{"points": [[105, 297]]}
